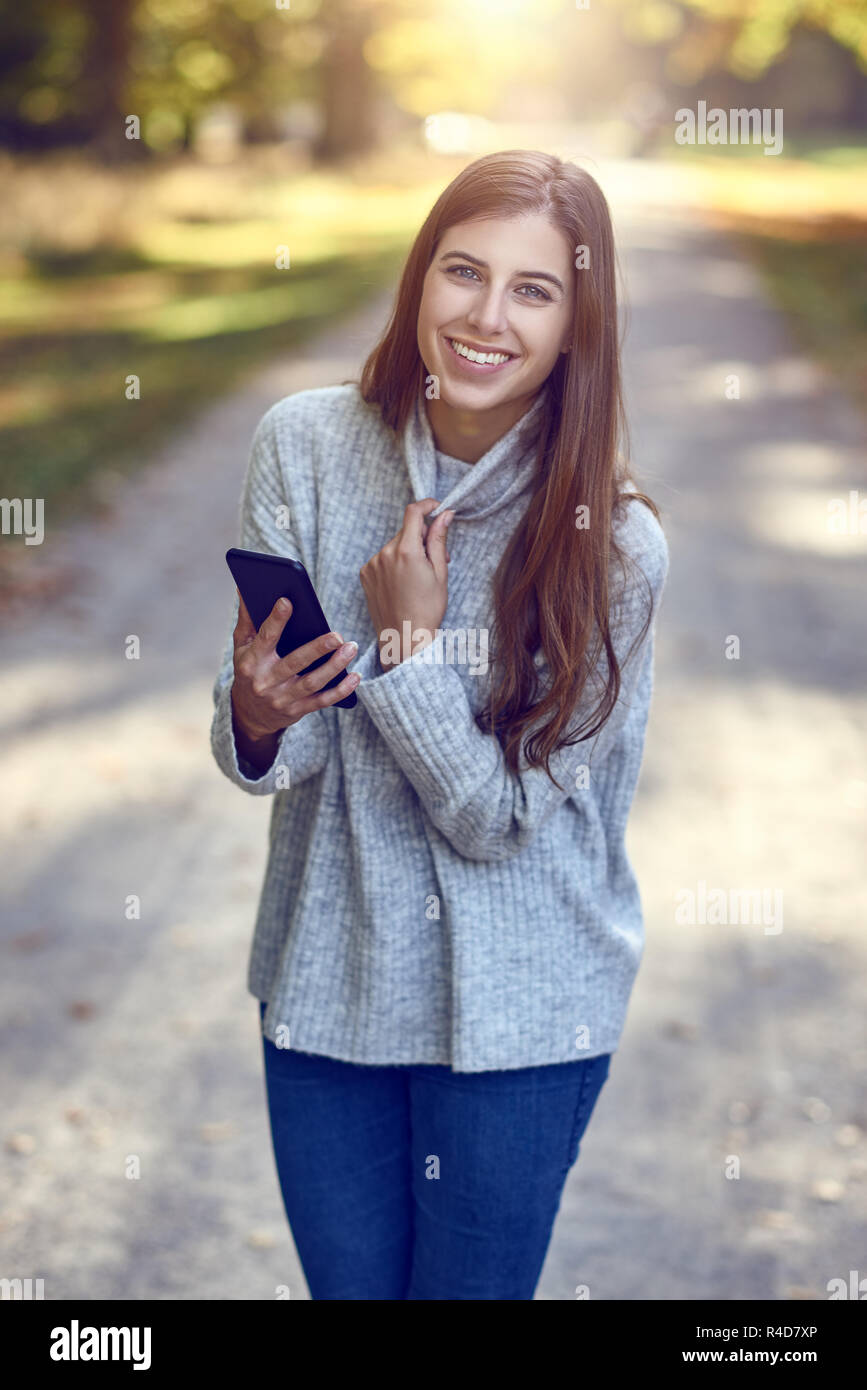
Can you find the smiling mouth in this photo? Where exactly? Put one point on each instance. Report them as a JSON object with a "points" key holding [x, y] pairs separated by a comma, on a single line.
{"points": [[480, 363]]}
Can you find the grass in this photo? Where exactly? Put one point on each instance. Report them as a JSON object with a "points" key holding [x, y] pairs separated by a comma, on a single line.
{"points": [[186, 334], [834, 149], [803, 224], [169, 275], [820, 283]]}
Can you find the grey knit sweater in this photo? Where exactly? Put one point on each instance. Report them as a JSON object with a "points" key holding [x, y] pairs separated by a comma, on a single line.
{"points": [[422, 903]]}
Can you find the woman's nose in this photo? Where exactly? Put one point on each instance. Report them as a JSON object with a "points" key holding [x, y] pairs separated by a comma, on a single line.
{"points": [[488, 312]]}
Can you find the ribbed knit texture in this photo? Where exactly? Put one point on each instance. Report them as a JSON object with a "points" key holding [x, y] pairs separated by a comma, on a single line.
{"points": [[422, 903]]}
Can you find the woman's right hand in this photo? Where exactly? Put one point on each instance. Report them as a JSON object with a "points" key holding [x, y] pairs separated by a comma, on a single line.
{"points": [[268, 694]]}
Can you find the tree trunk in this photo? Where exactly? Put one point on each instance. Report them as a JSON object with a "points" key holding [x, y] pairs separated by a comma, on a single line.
{"points": [[104, 81], [348, 88]]}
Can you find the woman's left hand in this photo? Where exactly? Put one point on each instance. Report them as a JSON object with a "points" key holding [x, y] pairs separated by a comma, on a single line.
{"points": [[407, 582]]}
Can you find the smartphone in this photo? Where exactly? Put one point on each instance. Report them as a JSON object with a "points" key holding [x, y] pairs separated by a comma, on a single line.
{"points": [[262, 579]]}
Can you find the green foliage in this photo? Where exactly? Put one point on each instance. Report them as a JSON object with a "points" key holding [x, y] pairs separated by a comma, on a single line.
{"points": [[820, 281], [71, 71], [66, 416], [746, 35]]}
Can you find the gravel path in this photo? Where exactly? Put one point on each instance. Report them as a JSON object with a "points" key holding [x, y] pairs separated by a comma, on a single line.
{"points": [[134, 1042]]}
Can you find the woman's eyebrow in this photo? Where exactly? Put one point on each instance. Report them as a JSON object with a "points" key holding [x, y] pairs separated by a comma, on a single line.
{"points": [[529, 274]]}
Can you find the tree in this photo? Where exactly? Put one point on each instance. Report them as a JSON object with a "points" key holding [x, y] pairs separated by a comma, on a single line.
{"points": [[347, 85], [105, 78]]}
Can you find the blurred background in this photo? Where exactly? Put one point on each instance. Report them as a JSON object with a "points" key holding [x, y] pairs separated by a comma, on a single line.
{"points": [[329, 127], [155, 155]]}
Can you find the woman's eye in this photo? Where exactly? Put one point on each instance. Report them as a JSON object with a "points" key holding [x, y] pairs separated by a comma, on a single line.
{"points": [[539, 294], [539, 291]]}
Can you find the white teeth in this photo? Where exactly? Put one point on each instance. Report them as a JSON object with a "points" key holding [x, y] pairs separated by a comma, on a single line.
{"points": [[492, 359]]}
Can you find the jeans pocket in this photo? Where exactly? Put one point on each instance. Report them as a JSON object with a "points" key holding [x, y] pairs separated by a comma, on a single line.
{"points": [[593, 1078]]}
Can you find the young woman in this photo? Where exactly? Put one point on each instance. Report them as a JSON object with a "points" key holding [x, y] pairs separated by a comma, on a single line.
{"points": [[449, 926]]}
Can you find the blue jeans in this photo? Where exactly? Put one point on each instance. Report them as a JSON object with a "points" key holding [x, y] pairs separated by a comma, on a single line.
{"points": [[418, 1182]]}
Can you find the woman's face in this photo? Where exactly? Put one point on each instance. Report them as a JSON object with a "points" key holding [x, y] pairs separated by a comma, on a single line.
{"points": [[502, 286]]}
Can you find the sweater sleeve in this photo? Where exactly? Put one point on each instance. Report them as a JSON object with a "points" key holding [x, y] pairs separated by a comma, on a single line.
{"points": [[304, 747], [485, 810]]}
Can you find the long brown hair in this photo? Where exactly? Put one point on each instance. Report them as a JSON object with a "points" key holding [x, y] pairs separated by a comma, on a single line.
{"points": [[551, 587]]}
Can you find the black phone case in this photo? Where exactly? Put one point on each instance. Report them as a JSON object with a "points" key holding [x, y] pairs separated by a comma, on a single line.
{"points": [[262, 579]]}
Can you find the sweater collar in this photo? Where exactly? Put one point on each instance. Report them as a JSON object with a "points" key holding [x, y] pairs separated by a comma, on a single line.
{"points": [[500, 475]]}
